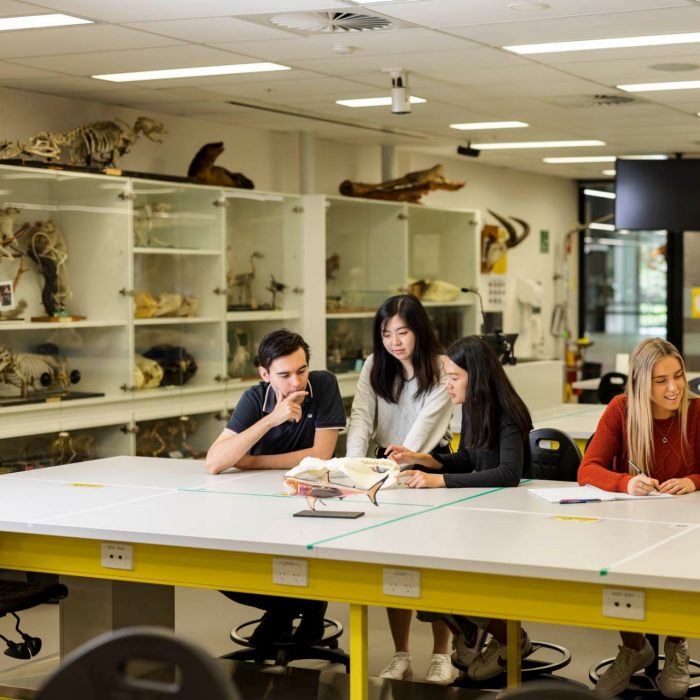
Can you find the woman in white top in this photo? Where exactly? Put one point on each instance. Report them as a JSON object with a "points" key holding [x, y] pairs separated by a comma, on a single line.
{"points": [[401, 399]]}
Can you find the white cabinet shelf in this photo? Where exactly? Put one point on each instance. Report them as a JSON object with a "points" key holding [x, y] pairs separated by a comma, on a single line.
{"points": [[267, 315], [155, 250], [176, 320], [52, 325]]}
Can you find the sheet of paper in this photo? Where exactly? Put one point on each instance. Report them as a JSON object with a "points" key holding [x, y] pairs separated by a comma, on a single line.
{"points": [[570, 493]]}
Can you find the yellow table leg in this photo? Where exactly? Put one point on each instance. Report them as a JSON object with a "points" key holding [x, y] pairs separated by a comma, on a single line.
{"points": [[513, 653], [359, 685]]}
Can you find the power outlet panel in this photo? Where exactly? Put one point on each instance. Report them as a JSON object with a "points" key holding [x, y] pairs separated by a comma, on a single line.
{"points": [[290, 572], [117, 556], [625, 604], [404, 583]]}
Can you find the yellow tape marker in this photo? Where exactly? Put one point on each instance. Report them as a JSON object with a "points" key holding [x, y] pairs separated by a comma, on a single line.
{"points": [[573, 517], [88, 486]]}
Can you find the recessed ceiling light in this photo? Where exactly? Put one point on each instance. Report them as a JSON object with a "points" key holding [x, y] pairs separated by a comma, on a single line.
{"points": [[488, 125], [375, 101], [35, 21], [581, 159], [596, 44], [674, 67], [602, 227], [528, 6], [609, 173], [198, 72], [535, 144], [603, 194], [652, 87]]}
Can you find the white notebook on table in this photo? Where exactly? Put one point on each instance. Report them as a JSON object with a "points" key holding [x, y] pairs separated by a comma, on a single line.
{"points": [[588, 493]]}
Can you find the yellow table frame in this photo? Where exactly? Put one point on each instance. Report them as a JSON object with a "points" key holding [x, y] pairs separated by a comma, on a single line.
{"points": [[360, 585]]}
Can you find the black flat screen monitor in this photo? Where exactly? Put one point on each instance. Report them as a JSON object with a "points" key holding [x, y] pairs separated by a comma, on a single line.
{"points": [[658, 195]]}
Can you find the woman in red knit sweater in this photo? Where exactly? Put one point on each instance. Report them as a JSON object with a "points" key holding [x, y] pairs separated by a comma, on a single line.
{"points": [[648, 440]]}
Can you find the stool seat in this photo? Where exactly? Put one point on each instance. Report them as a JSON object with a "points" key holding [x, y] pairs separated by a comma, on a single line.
{"points": [[282, 653], [16, 596]]}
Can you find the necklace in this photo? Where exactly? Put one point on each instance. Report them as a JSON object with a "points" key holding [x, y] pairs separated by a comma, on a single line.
{"points": [[664, 438]]}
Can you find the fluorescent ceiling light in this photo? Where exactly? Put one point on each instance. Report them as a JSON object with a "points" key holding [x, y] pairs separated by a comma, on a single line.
{"points": [[536, 144], [375, 101], [599, 193], [596, 44], [581, 159], [651, 87], [197, 72], [602, 227], [488, 125], [610, 173], [35, 21]]}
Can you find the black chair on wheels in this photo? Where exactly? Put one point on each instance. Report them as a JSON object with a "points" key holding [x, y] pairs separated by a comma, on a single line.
{"points": [[138, 662], [694, 385], [16, 596], [282, 653], [555, 455], [611, 384]]}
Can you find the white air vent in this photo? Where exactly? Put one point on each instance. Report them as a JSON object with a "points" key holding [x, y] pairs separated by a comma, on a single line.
{"points": [[330, 22]]}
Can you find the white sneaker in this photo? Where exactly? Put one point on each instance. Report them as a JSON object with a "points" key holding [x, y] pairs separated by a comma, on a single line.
{"points": [[674, 679], [399, 668], [493, 660], [465, 651], [440, 670], [627, 662]]}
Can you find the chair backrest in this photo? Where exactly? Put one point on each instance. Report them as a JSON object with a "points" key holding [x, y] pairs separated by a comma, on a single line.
{"points": [[555, 455], [611, 384], [694, 385], [108, 667]]}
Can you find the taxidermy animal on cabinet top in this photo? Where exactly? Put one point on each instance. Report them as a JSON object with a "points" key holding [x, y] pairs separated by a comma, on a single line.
{"points": [[203, 170], [98, 144]]}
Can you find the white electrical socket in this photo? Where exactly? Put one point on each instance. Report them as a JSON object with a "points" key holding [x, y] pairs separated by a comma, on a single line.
{"points": [[117, 556], [618, 602], [290, 572], [404, 583]]}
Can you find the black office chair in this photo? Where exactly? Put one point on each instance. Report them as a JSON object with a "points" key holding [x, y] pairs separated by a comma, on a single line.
{"points": [[138, 662], [282, 653], [611, 384], [555, 455], [16, 596], [694, 385], [643, 683]]}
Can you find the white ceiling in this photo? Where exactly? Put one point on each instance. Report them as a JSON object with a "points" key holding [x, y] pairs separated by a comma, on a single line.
{"points": [[451, 49]]}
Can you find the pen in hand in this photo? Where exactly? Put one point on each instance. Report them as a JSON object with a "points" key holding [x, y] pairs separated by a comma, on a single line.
{"points": [[637, 470]]}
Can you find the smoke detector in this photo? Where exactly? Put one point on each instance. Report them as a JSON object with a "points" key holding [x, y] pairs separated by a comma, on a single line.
{"points": [[330, 22]]}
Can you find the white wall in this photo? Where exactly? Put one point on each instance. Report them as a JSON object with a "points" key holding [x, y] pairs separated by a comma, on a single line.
{"points": [[271, 160]]}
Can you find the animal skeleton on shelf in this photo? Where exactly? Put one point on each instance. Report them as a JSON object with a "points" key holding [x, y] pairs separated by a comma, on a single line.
{"points": [[48, 248], [24, 370], [98, 144], [243, 283]]}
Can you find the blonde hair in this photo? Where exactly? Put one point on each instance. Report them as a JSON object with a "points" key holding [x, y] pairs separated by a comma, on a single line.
{"points": [[640, 421]]}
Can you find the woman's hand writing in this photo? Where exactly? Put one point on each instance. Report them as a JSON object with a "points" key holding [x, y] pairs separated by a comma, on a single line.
{"points": [[642, 485]]}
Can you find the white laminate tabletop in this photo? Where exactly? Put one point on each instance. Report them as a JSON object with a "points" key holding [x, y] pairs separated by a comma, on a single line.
{"points": [[498, 531], [579, 420]]}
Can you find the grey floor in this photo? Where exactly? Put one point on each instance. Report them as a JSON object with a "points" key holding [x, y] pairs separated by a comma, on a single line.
{"points": [[206, 618]]}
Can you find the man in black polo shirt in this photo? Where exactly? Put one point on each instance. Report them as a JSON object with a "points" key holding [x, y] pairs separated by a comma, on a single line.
{"points": [[291, 414]]}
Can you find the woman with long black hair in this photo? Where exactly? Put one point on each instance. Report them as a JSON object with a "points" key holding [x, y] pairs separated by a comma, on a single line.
{"points": [[494, 450], [401, 399]]}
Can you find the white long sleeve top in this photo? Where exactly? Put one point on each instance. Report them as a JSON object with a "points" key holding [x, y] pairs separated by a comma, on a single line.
{"points": [[419, 424]]}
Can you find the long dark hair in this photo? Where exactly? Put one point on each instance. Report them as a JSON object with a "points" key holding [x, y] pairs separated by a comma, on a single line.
{"points": [[386, 377], [489, 393]]}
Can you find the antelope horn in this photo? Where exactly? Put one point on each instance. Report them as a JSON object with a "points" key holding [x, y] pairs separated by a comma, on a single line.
{"points": [[513, 238]]}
